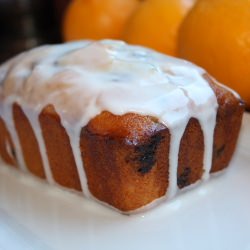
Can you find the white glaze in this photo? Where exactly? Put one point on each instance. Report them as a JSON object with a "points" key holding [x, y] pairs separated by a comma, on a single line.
{"points": [[206, 124], [82, 79], [74, 138], [176, 135], [8, 148], [34, 122]]}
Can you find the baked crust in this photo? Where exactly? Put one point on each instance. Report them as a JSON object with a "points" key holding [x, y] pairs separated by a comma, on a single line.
{"points": [[28, 141], [60, 156], [228, 123], [5, 139]]}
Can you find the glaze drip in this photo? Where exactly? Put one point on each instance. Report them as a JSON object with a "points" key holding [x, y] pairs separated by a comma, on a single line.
{"points": [[35, 124]]}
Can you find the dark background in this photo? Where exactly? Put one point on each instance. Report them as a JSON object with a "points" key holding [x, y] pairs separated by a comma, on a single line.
{"points": [[28, 23]]}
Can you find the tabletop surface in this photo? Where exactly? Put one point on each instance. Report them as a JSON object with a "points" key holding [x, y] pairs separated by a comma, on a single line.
{"points": [[212, 216]]}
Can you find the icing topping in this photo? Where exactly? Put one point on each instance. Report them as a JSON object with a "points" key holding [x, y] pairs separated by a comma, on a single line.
{"points": [[107, 75], [82, 79]]}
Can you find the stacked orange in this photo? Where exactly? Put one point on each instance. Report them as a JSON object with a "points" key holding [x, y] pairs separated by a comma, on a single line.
{"points": [[155, 24], [97, 19], [152, 23], [216, 35]]}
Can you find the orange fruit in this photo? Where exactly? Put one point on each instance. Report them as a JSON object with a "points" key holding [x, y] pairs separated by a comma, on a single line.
{"points": [[216, 35], [155, 24], [96, 19]]}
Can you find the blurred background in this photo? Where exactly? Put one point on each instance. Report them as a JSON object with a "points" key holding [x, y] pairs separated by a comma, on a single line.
{"points": [[28, 23], [214, 34]]}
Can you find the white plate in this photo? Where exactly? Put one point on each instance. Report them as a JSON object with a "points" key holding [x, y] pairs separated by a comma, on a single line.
{"points": [[213, 216]]}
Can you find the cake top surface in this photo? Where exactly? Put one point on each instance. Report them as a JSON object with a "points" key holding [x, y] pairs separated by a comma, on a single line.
{"points": [[82, 79]]}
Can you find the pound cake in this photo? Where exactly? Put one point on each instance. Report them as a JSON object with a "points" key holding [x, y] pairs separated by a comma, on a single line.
{"points": [[122, 124]]}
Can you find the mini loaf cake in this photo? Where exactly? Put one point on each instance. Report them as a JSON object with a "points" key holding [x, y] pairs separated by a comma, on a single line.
{"points": [[122, 124]]}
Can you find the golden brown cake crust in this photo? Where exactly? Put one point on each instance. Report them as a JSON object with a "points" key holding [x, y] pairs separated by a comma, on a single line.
{"points": [[28, 142], [190, 162], [59, 151], [125, 168], [8, 157], [228, 123]]}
